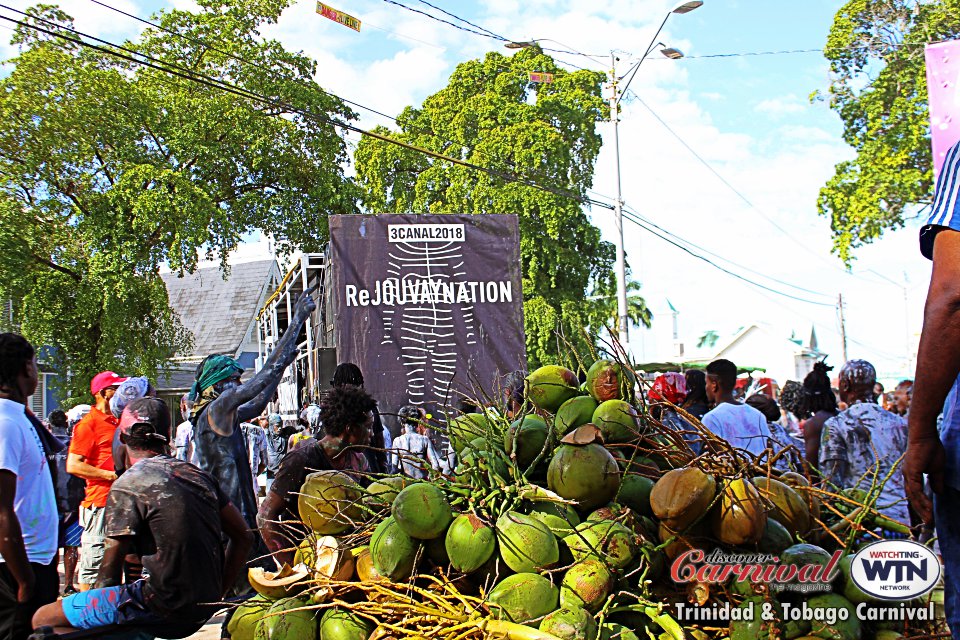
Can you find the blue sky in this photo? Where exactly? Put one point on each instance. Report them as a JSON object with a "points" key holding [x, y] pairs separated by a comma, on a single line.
{"points": [[748, 117]]}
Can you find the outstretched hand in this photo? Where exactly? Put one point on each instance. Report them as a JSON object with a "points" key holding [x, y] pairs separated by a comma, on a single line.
{"points": [[306, 304], [923, 456]]}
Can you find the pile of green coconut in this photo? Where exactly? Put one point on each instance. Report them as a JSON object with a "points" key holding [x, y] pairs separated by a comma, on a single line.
{"points": [[563, 522]]}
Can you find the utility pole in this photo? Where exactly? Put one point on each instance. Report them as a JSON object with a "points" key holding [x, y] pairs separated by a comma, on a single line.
{"points": [[621, 263], [843, 327]]}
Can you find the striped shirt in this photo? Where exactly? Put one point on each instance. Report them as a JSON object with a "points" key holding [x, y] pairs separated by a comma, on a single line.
{"points": [[946, 202], [946, 215]]}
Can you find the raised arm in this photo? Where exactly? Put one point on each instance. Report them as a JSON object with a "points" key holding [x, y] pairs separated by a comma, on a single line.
{"points": [[258, 390]]}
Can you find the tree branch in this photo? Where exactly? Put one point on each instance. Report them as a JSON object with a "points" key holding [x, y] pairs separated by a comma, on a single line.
{"points": [[57, 267], [103, 166], [166, 154]]}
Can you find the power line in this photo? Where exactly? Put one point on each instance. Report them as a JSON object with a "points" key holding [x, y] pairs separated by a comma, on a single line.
{"points": [[740, 194], [257, 65], [637, 221], [463, 20], [720, 257], [193, 76], [447, 22]]}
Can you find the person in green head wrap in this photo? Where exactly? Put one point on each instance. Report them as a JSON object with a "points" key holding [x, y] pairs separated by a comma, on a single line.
{"points": [[221, 402]]}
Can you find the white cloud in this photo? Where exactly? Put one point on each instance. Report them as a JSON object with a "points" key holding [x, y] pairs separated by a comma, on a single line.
{"points": [[782, 105]]}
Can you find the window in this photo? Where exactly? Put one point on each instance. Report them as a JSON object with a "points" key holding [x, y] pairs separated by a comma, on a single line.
{"points": [[37, 403]]}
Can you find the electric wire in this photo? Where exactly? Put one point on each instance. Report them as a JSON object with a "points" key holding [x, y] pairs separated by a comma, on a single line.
{"points": [[637, 221], [190, 75], [315, 86], [463, 20], [447, 22], [720, 257]]}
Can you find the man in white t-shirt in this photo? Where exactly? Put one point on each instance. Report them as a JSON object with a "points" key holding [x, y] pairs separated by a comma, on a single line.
{"points": [[28, 505], [741, 425]]}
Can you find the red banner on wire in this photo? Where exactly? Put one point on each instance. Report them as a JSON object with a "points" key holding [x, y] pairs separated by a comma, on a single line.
{"points": [[338, 16]]}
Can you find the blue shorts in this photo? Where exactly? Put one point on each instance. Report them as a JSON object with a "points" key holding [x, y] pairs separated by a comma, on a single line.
{"points": [[102, 607]]}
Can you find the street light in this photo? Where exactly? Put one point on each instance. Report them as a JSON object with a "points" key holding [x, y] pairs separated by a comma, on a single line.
{"points": [[616, 95]]}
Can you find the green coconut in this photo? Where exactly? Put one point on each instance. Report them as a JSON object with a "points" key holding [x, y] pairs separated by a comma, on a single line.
{"points": [[617, 421], [492, 462], [469, 543], [848, 629], [570, 623], [525, 440], [559, 518], [393, 551], [851, 591], [422, 511], [340, 624], [587, 474], [525, 543], [604, 539], [289, 624], [243, 622], [753, 626], [775, 537], [383, 491], [607, 380], [523, 597], [635, 493], [806, 554], [586, 584], [550, 386], [463, 429], [573, 413], [329, 502]]}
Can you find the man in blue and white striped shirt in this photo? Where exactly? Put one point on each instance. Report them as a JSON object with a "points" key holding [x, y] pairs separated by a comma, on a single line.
{"points": [[937, 387]]}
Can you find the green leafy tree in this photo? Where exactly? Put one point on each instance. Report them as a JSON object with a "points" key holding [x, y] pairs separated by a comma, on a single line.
{"points": [[491, 114], [109, 169], [879, 89], [638, 314]]}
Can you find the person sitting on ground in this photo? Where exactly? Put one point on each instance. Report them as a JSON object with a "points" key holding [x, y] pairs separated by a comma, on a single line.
{"points": [[672, 388], [740, 425], [413, 453], [864, 444], [347, 415], [818, 404], [174, 516], [696, 402], [784, 448]]}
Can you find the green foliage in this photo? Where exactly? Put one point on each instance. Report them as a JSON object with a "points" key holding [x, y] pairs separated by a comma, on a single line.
{"points": [[491, 115], [879, 89], [109, 169]]}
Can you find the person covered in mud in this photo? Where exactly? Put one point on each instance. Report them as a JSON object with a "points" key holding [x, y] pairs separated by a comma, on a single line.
{"points": [[413, 453], [863, 445], [347, 415], [221, 402], [174, 516]]}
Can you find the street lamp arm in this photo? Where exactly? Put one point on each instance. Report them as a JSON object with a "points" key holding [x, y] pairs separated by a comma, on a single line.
{"points": [[633, 72]]}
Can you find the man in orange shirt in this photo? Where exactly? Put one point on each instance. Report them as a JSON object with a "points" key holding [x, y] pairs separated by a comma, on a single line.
{"points": [[91, 458]]}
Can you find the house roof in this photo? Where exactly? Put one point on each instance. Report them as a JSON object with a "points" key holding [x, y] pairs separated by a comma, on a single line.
{"points": [[217, 311]]}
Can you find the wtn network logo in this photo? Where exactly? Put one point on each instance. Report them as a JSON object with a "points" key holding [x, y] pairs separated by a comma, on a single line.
{"points": [[895, 569]]}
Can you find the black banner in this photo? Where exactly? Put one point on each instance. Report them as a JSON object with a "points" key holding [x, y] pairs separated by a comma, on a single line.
{"points": [[430, 307]]}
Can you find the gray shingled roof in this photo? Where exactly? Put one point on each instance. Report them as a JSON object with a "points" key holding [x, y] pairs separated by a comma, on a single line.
{"points": [[218, 312]]}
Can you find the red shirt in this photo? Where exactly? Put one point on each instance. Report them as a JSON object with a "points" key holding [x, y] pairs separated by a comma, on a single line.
{"points": [[93, 439]]}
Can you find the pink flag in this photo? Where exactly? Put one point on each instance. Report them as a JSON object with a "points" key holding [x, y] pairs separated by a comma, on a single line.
{"points": [[943, 89]]}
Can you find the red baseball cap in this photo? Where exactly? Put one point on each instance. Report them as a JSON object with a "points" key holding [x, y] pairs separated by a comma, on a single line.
{"points": [[103, 380]]}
